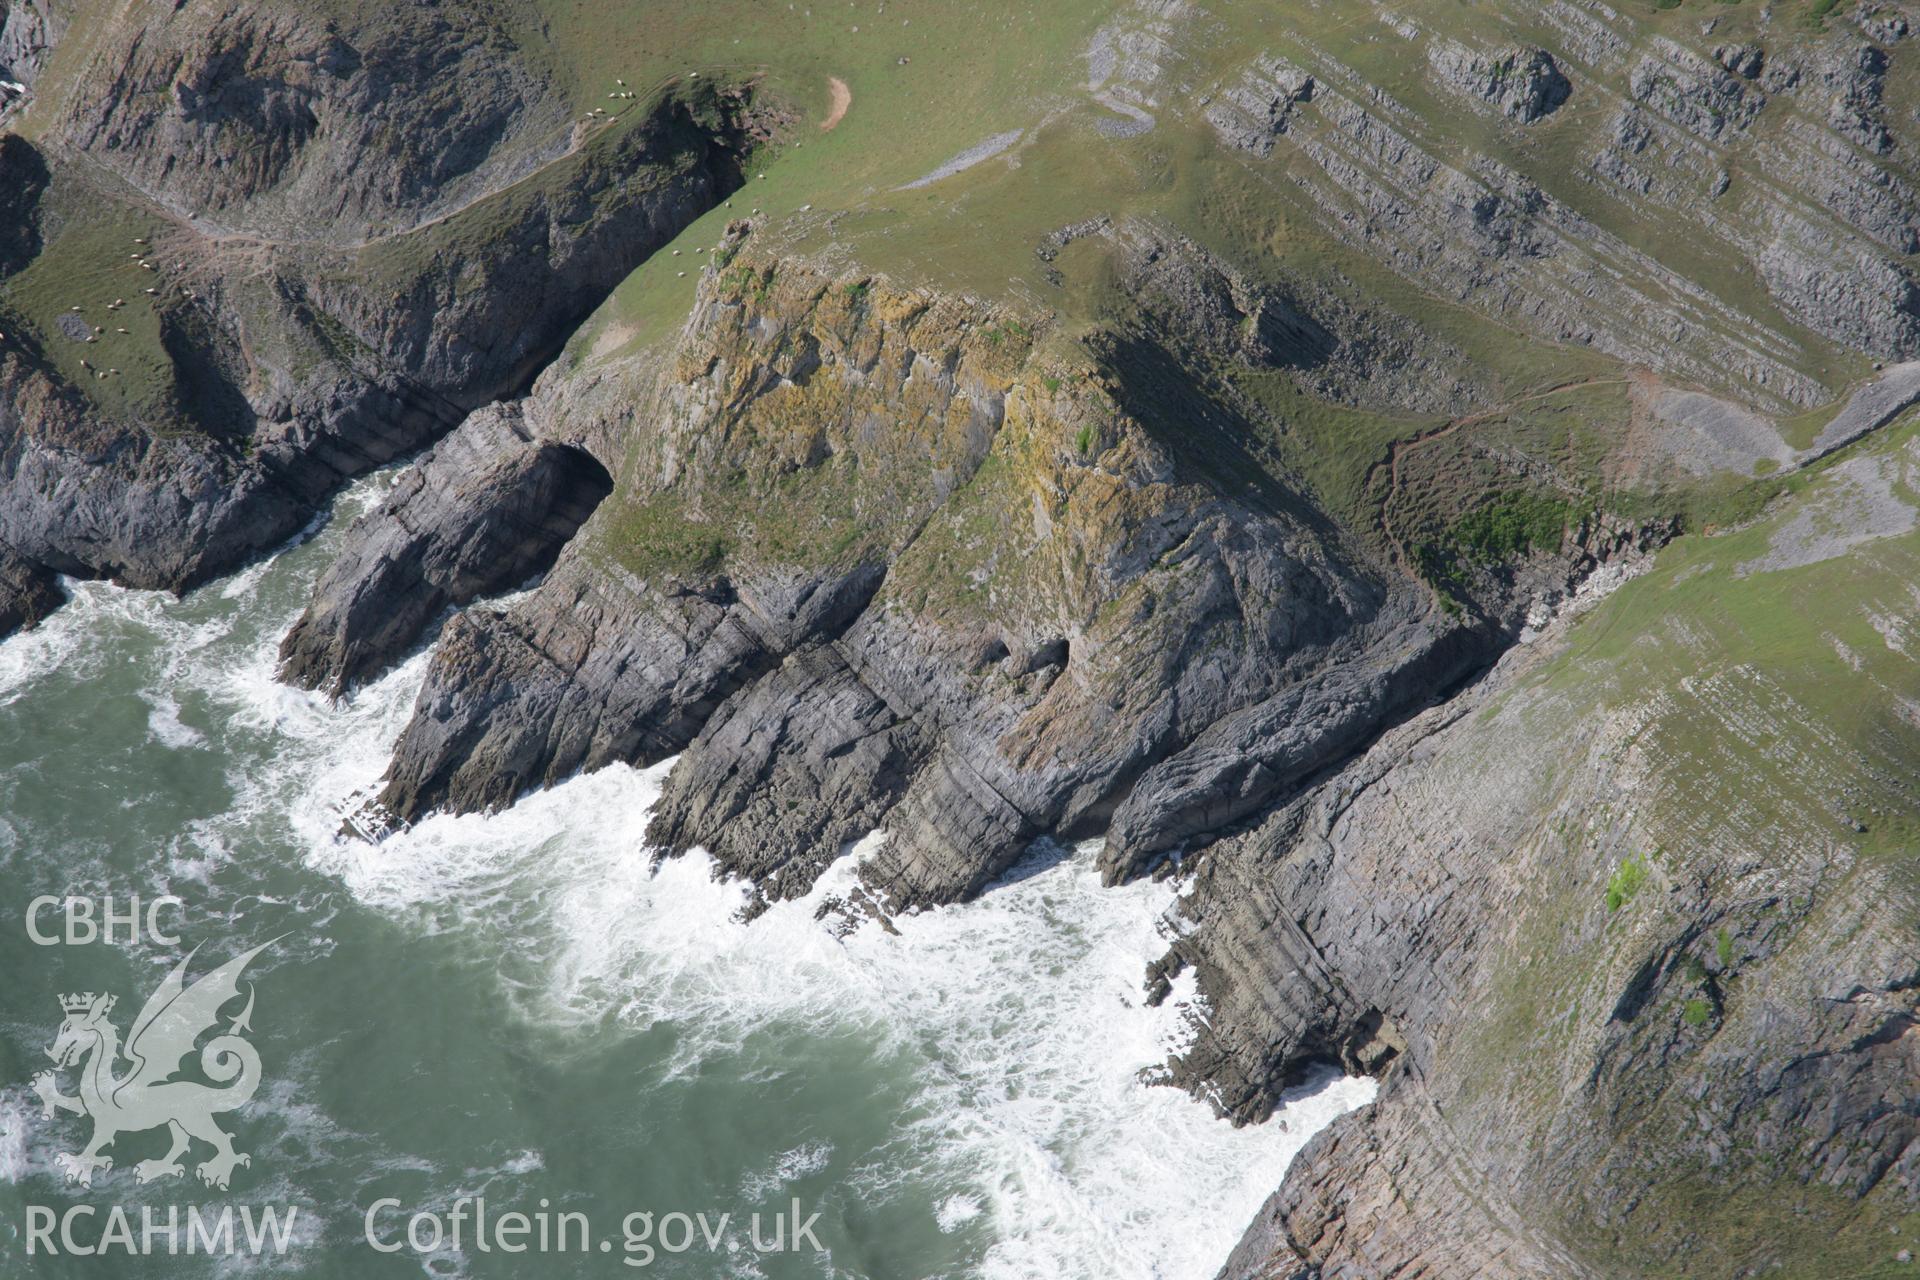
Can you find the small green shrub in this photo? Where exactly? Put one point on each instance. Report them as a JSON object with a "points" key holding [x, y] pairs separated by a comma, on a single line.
{"points": [[1083, 442], [1009, 329], [1696, 1012], [1626, 880], [1723, 948], [1511, 524]]}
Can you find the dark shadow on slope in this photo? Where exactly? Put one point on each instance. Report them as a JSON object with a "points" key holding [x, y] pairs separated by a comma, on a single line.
{"points": [[1215, 440], [23, 178]]}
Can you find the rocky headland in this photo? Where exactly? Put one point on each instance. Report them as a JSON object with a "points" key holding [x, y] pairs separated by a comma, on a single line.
{"points": [[1451, 508]]}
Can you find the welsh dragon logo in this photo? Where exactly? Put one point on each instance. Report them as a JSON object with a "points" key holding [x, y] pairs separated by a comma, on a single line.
{"points": [[147, 1095]]}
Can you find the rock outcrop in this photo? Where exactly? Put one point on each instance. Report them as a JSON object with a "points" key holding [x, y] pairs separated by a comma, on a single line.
{"points": [[28, 592], [1026, 599], [29, 29], [1523, 84], [1521, 236], [484, 511]]}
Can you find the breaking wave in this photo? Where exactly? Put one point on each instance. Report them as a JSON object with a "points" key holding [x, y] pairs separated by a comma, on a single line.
{"points": [[1017, 1018]]}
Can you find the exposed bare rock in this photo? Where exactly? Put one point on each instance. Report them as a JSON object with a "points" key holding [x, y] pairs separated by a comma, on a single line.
{"points": [[1259, 106], [1590, 33], [1693, 92], [1523, 84], [1872, 199], [1377, 339], [1492, 237], [1856, 79], [272, 120], [1452, 885], [1744, 60], [591, 669], [302, 357], [1342, 1212], [1872, 302], [1886, 23], [28, 592], [1246, 760], [482, 512], [1130, 60], [1340, 348], [1704, 434], [1872, 406], [29, 29]]}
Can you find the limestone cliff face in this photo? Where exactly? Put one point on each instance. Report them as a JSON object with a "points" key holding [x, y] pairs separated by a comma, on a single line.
{"points": [[880, 557], [278, 120], [483, 512], [29, 29], [1626, 942]]}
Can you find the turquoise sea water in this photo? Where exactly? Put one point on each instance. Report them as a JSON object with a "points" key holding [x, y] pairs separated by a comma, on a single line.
{"points": [[525, 1008]]}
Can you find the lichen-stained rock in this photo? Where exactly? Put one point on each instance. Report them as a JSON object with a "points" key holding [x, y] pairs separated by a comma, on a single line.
{"points": [[1306, 363], [1041, 598]]}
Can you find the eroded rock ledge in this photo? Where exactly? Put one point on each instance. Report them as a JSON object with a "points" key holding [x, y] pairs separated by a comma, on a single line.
{"points": [[483, 512]]}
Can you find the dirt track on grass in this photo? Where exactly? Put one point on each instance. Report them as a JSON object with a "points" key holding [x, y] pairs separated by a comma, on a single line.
{"points": [[839, 98]]}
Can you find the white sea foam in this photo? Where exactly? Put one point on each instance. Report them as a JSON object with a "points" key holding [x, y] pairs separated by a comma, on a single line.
{"points": [[17, 1109], [164, 723], [80, 638], [1022, 1011], [1027, 1005], [956, 1211], [789, 1166]]}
